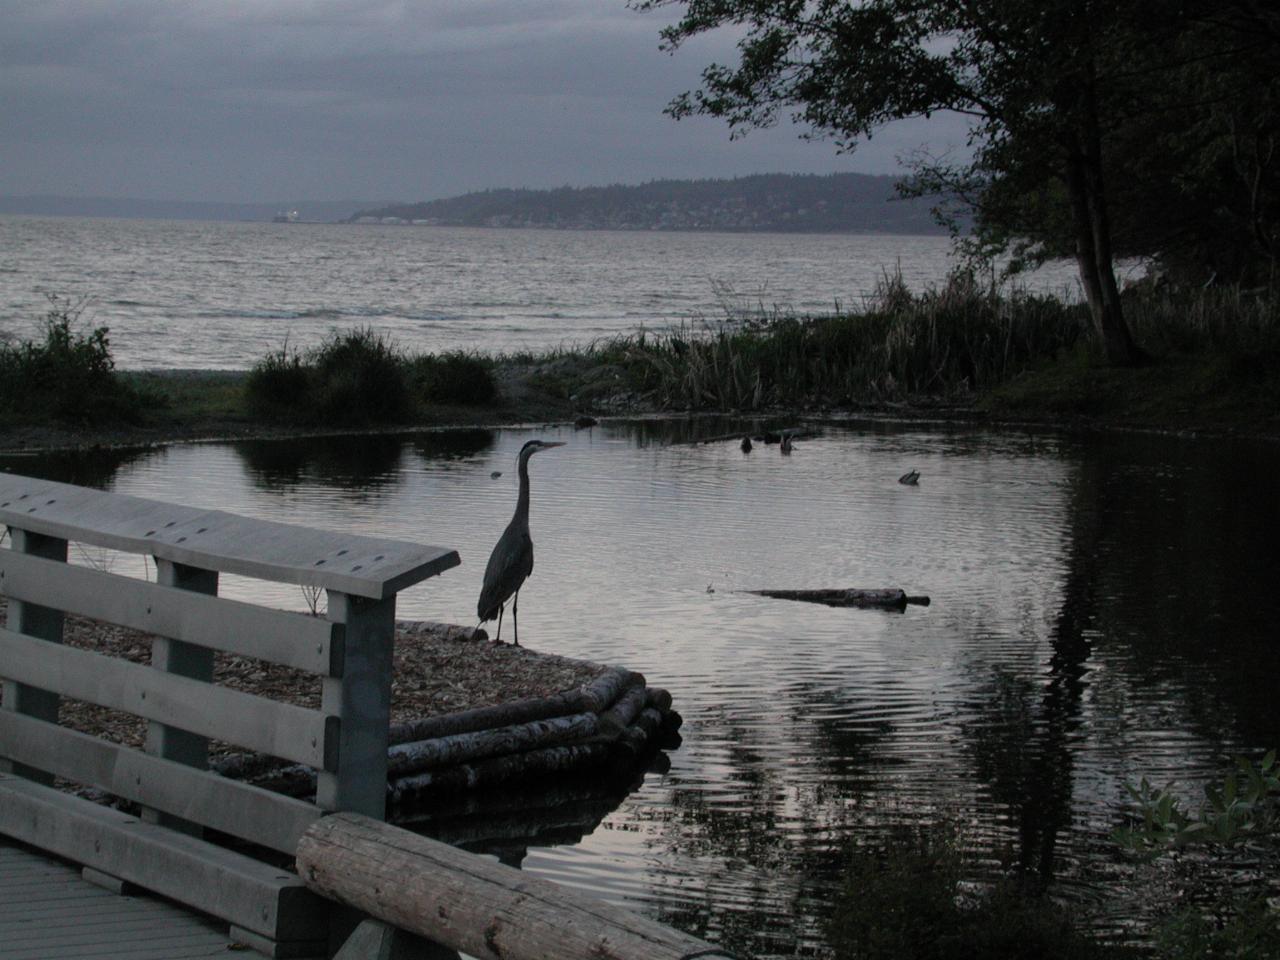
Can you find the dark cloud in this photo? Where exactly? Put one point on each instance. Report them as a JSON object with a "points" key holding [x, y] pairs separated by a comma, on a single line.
{"points": [[386, 99]]}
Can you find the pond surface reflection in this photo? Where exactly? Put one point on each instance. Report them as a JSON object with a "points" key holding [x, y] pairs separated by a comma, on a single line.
{"points": [[1098, 615]]}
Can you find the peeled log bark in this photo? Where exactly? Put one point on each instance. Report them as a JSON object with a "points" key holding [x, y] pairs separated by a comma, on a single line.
{"points": [[886, 599], [620, 716], [593, 697], [658, 698], [642, 732], [473, 905], [443, 751], [495, 770]]}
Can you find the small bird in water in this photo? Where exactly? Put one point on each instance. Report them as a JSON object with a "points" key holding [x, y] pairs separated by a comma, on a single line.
{"points": [[495, 475], [512, 559], [746, 444], [786, 444], [911, 478]]}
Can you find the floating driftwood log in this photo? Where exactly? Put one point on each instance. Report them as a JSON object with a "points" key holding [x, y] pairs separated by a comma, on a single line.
{"points": [[884, 599]]}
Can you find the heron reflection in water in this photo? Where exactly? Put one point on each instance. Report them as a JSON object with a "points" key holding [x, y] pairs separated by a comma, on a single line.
{"points": [[512, 559]]}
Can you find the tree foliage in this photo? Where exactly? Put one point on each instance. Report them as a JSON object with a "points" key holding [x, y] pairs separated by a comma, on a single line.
{"points": [[1096, 124]]}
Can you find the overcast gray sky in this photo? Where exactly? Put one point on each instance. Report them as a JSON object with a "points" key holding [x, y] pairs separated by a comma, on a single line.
{"points": [[267, 100]]}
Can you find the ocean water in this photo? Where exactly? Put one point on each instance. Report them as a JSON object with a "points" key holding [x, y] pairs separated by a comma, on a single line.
{"points": [[215, 295]]}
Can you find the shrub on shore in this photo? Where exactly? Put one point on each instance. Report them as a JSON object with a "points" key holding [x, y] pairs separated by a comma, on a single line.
{"points": [[68, 376], [949, 342], [360, 378], [454, 377], [954, 343], [966, 342]]}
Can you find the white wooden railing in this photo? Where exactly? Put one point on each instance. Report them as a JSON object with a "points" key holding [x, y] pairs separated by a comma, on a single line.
{"points": [[409, 886], [345, 739]]}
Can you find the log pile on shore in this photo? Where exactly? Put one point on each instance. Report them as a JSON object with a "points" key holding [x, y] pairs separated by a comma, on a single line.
{"points": [[613, 723], [467, 715]]}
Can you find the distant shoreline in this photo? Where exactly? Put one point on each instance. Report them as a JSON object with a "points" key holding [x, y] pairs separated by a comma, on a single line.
{"points": [[843, 203]]}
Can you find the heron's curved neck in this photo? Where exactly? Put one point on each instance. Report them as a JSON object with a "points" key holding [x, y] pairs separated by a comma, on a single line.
{"points": [[522, 503]]}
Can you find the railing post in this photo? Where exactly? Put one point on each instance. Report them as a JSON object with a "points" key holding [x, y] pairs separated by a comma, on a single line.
{"points": [[188, 660], [35, 621], [358, 693]]}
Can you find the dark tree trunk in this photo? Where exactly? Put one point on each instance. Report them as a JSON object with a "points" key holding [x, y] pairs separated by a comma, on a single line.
{"points": [[1094, 255]]}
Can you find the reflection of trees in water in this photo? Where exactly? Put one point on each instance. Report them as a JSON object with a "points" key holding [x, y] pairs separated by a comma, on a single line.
{"points": [[691, 429], [442, 447], [1187, 565], [766, 843], [94, 467], [1023, 741], [1154, 600], [357, 463]]}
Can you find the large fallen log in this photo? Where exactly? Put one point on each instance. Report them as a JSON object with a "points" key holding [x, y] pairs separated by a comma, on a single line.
{"points": [[498, 770], [885, 599], [450, 764], [594, 697], [461, 747], [471, 904]]}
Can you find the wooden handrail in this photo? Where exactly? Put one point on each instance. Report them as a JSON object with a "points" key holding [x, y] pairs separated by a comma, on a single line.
{"points": [[427, 888], [361, 566]]}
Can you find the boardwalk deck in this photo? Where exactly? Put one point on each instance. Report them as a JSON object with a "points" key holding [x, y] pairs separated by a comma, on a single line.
{"points": [[49, 912]]}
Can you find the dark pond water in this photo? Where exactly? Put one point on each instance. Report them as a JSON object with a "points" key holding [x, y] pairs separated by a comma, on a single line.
{"points": [[1103, 610]]}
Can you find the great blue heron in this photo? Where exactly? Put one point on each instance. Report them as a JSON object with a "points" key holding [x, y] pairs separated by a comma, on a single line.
{"points": [[512, 559]]}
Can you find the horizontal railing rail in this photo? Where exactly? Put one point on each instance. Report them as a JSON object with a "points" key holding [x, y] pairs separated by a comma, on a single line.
{"points": [[418, 886], [291, 639], [348, 652]]}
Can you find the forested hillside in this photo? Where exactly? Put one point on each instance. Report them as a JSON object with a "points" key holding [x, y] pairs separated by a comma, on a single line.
{"points": [[844, 202]]}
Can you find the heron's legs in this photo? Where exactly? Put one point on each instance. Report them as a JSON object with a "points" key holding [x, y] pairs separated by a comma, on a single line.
{"points": [[498, 638], [515, 619]]}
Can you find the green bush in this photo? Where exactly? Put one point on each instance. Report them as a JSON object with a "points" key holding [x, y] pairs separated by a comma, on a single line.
{"points": [[277, 381], [360, 378], [354, 378], [69, 376], [1243, 810], [456, 377]]}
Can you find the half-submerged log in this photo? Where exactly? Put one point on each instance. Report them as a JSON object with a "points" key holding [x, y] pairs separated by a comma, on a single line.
{"points": [[884, 599], [473, 905]]}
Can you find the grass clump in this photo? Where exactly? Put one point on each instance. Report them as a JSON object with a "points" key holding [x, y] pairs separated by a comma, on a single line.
{"points": [[1014, 353], [69, 375], [949, 342], [454, 378], [359, 378], [354, 378]]}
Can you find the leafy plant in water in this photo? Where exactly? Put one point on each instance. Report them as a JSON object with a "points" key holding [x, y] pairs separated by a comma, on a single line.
{"points": [[1246, 805]]}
